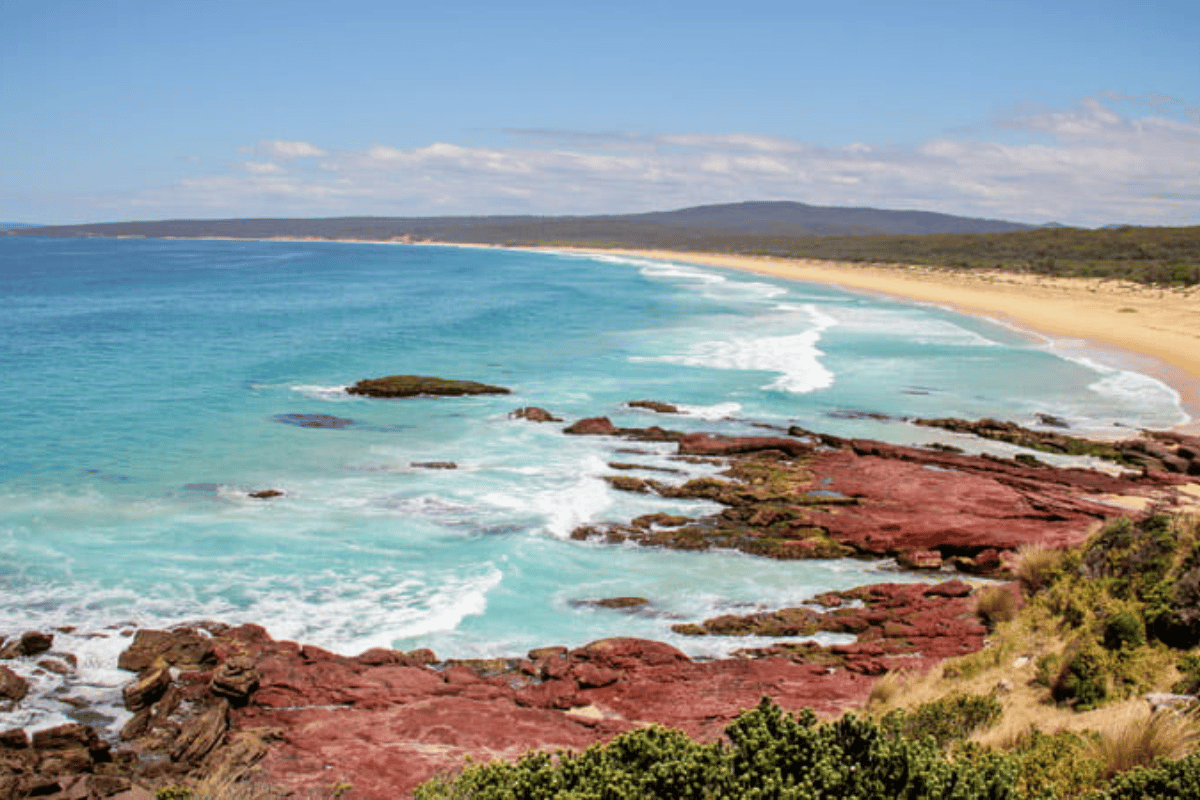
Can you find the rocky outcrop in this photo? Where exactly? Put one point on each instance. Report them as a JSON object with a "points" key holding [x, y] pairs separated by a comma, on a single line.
{"points": [[68, 761], [815, 495], [421, 386], [1161, 451], [894, 621]]}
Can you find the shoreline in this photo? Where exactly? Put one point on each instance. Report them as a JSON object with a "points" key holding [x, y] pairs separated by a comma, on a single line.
{"points": [[1153, 331]]}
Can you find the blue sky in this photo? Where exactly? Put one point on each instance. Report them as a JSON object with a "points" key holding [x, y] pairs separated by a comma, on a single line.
{"points": [[1084, 113]]}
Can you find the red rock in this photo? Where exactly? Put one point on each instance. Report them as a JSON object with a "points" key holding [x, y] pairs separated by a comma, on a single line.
{"points": [[920, 559], [707, 444], [592, 426]]}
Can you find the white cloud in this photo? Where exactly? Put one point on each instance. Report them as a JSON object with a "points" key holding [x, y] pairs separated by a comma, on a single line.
{"points": [[1087, 165], [281, 149], [263, 168]]}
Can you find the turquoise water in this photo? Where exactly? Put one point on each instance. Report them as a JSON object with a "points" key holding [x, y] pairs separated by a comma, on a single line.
{"points": [[146, 381]]}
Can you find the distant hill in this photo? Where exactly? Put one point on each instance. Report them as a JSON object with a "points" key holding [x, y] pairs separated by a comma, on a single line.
{"points": [[659, 227], [1168, 256], [10, 226]]}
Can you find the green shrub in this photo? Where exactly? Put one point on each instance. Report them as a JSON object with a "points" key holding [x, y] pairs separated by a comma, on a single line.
{"points": [[1190, 682], [1083, 678], [1054, 765], [773, 755], [1166, 779], [953, 718], [1124, 629]]}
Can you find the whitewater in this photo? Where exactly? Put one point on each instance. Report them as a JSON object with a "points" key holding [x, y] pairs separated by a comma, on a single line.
{"points": [[151, 386]]}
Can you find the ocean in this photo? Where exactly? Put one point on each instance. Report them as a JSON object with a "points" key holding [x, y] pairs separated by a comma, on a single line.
{"points": [[152, 385]]}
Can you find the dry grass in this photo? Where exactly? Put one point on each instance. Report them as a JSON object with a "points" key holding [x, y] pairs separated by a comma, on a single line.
{"points": [[1035, 567], [886, 690], [1138, 739], [996, 604]]}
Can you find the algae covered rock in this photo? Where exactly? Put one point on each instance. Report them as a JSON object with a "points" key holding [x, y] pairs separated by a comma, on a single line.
{"points": [[421, 386]]}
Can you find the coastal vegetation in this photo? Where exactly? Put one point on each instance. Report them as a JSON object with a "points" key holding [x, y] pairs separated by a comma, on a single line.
{"points": [[1053, 708], [1145, 255]]}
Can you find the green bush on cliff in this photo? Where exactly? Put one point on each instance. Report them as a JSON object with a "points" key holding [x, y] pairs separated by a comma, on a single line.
{"points": [[773, 754], [1166, 779], [951, 719]]}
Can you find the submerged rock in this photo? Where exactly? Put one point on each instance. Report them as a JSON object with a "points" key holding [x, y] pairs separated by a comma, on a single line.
{"points": [[618, 603], [313, 420], [421, 386]]}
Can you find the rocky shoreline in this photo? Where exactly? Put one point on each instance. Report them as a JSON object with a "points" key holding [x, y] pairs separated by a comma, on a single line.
{"points": [[211, 699]]}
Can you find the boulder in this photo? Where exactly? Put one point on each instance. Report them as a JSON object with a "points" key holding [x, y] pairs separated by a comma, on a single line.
{"points": [[13, 688], [421, 386], [150, 685], [235, 680], [31, 643], [534, 414], [592, 426], [184, 648]]}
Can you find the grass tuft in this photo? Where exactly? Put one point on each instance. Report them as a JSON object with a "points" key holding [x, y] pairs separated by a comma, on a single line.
{"points": [[1036, 567], [1141, 739]]}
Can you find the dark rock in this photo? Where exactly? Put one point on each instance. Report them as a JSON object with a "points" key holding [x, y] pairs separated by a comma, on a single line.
{"points": [[201, 734], [434, 465], [236, 680], [148, 688], [421, 386], [1052, 421], [13, 688], [184, 648], [654, 405], [267, 494], [534, 414], [313, 420], [620, 603], [31, 643]]}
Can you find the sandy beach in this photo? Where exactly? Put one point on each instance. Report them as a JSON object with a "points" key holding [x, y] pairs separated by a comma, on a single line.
{"points": [[1155, 331]]}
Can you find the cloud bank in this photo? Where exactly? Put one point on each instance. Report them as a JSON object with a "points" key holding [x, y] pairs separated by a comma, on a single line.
{"points": [[1088, 165]]}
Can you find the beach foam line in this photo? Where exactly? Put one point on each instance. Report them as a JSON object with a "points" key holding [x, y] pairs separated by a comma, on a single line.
{"points": [[1162, 326]]}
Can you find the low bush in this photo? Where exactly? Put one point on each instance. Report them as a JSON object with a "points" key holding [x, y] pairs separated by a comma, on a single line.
{"points": [[1166, 779], [952, 718], [773, 755], [1083, 678]]}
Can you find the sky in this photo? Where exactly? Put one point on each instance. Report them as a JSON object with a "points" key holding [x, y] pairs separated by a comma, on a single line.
{"points": [[1034, 111]]}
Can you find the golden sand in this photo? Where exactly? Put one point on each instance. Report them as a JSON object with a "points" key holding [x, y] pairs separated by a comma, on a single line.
{"points": [[1160, 326]]}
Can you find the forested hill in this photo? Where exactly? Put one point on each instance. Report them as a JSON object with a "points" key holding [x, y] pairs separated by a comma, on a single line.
{"points": [[751, 218], [794, 230]]}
